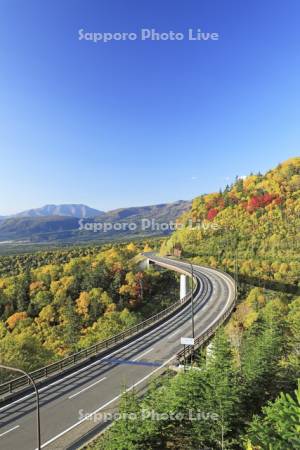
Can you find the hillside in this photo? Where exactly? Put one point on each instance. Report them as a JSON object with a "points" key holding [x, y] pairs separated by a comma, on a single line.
{"points": [[31, 228], [256, 220], [163, 212], [247, 375]]}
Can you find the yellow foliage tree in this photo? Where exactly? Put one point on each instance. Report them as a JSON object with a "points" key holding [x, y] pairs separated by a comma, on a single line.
{"points": [[15, 318]]}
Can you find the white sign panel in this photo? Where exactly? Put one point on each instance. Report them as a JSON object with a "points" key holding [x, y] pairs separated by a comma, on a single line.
{"points": [[187, 341]]}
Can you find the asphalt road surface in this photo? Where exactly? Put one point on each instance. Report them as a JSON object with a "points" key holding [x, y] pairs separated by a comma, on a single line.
{"points": [[76, 404]]}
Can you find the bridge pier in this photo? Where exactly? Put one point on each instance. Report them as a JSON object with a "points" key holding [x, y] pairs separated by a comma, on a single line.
{"points": [[150, 263], [184, 279], [184, 285]]}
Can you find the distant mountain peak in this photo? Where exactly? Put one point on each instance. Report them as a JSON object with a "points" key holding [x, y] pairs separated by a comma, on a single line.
{"points": [[66, 210]]}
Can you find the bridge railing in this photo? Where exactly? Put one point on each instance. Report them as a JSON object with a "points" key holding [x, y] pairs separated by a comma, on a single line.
{"points": [[98, 348]]}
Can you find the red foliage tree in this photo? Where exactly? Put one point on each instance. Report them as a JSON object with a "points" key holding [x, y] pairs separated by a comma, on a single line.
{"points": [[212, 214], [261, 201]]}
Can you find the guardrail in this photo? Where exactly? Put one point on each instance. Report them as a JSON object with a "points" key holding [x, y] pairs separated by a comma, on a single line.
{"points": [[96, 349], [200, 340]]}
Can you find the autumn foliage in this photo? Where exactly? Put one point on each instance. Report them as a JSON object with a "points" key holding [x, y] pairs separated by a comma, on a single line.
{"points": [[15, 318]]}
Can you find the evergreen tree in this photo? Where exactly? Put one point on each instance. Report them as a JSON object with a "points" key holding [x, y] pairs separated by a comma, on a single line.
{"points": [[279, 427]]}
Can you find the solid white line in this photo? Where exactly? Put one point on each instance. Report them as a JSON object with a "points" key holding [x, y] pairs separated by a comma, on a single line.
{"points": [[106, 404], [80, 370], [8, 431], [117, 397], [143, 354], [48, 385], [176, 332], [94, 363], [86, 388]]}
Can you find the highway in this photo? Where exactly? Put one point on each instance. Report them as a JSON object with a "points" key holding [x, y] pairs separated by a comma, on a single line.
{"points": [[73, 405]]}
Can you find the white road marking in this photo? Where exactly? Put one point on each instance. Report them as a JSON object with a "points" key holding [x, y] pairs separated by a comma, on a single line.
{"points": [[106, 404], [86, 388], [103, 359], [8, 431], [143, 354], [96, 362], [82, 369], [176, 332]]}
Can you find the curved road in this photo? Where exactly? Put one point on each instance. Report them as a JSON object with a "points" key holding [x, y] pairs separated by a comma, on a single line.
{"points": [[73, 405]]}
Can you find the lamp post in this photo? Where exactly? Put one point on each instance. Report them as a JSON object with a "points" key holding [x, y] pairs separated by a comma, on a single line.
{"points": [[192, 305], [38, 423], [192, 309], [192, 301]]}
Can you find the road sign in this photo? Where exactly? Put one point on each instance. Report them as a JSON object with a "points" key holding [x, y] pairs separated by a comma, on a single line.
{"points": [[187, 341]]}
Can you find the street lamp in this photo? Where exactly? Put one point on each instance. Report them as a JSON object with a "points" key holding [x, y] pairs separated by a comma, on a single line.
{"points": [[38, 423], [192, 305], [192, 300], [192, 309]]}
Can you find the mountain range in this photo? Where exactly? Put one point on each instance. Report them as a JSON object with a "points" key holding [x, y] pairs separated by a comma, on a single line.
{"points": [[61, 223]]}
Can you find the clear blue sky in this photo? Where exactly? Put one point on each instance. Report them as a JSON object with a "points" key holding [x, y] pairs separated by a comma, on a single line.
{"points": [[134, 123]]}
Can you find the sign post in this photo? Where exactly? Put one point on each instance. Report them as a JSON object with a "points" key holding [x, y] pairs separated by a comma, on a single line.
{"points": [[186, 341]]}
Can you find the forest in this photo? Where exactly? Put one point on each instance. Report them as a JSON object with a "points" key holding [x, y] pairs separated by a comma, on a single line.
{"points": [[248, 376], [55, 303], [255, 222], [247, 381]]}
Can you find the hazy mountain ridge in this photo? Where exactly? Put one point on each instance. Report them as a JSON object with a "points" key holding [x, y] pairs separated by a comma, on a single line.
{"points": [[67, 228], [167, 211], [65, 210]]}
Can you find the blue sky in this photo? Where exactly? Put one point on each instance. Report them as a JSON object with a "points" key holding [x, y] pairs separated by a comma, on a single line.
{"points": [[143, 122]]}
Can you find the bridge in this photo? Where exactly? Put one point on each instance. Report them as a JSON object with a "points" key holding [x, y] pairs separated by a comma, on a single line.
{"points": [[79, 393]]}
